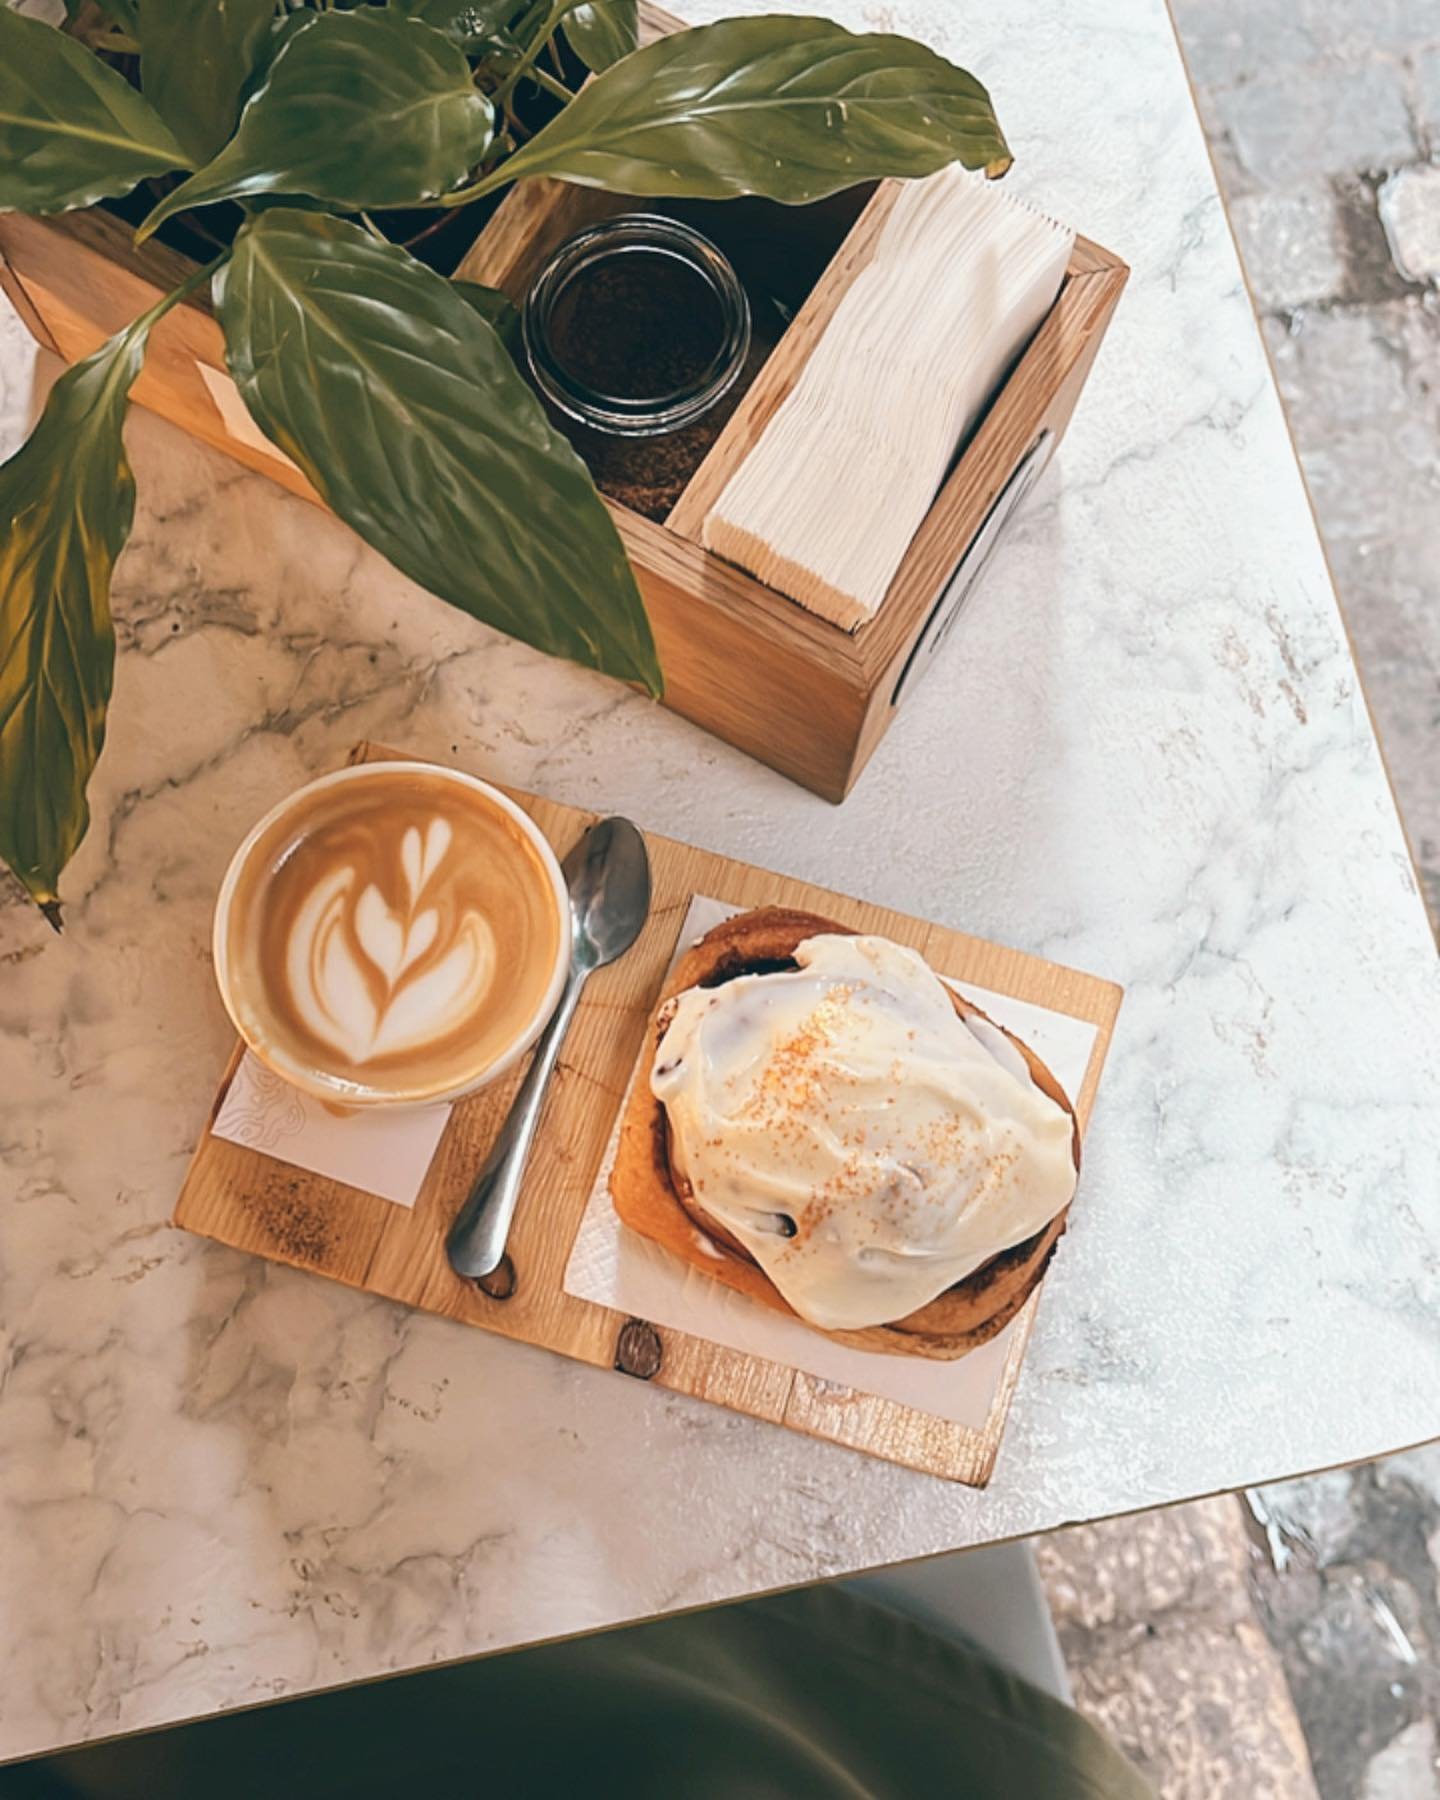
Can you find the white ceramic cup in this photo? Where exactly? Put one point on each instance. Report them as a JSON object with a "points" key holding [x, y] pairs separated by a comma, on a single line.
{"points": [[341, 1087]]}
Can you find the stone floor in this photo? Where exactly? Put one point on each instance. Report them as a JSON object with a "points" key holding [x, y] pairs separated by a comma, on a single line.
{"points": [[1324, 121], [1160, 1630]]}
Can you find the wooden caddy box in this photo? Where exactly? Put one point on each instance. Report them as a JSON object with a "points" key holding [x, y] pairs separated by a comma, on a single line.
{"points": [[740, 659]]}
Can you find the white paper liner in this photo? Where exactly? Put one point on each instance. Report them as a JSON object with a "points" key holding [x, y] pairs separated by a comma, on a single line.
{"points": [[381, 1150], [618, 1268]]}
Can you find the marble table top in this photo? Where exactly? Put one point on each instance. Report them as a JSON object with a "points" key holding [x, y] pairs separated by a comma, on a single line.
{"points": [[1145, 753]]}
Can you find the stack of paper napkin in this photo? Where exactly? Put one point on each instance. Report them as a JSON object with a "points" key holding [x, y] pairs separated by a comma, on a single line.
{"points": [[825, 504]]}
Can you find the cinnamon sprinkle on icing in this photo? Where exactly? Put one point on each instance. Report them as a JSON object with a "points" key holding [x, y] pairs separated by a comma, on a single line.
{"points": [[848, 1095]]}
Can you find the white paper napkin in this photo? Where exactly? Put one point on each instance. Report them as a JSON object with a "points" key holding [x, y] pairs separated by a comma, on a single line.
{"points": [[618, 1268], [381, 1150]]}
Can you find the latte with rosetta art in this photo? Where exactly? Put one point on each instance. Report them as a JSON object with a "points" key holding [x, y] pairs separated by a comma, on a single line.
{"points": [[391, 936]]}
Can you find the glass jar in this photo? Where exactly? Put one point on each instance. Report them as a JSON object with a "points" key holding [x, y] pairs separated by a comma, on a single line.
{"points": [[636, 333]]}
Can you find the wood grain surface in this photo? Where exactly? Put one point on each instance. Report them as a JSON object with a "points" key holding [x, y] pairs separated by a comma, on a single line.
{"points": [[246, 1199]]}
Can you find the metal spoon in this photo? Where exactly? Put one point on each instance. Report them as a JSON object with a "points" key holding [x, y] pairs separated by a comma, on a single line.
{"points": [[608, 876]]}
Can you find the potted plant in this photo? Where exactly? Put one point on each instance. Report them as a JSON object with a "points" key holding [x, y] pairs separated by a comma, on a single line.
{"points": [[291, 136]]}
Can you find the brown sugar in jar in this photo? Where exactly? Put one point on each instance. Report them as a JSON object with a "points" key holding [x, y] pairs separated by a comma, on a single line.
{"points": [[637, 333]]}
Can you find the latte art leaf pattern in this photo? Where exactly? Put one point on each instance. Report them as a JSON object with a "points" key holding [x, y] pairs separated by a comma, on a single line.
{"points": [[370, 980]]}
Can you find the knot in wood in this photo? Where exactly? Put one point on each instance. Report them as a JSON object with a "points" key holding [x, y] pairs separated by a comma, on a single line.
{"points": [[638, 1350]]}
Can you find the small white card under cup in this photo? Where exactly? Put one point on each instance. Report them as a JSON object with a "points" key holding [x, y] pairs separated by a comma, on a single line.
{"points": [[618, 1268], [381, 1150]]}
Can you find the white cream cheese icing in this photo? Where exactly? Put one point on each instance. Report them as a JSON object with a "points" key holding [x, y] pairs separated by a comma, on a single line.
{"points": [[866, 1146]]}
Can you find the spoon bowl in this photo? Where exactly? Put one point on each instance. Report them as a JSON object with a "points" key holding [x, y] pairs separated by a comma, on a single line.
{"points": [[607, 875]]}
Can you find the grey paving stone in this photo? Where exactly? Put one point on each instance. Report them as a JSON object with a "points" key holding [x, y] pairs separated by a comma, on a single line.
{"points": [[1356, 1690], [1392, 617], [1370, 273], [1425, 92], [1230, 42], [1321, 1511], [1405, 1769], [1359, 28], [1358, 1630], [1340, 369], [1410, 213], [1226, 44], [1419, 1468], [1329, 118], [1293, 245]]}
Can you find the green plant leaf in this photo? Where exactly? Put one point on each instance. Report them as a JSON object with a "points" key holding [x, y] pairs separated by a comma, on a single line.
{"points": [[195, 59], [68, 498], [359, 109], [498, 311], [72, 131], [600, 32], [282, 28], [403, 408], [790, 108]]}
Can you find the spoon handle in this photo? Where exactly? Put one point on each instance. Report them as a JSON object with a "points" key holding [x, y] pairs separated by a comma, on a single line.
{"points": [[477, 1238]]}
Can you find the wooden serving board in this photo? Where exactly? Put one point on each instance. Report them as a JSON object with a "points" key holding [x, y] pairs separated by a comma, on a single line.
{"points": [[243, 1198]]}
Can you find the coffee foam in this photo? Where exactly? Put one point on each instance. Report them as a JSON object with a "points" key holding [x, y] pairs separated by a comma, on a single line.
{"points": [[392, 935]]}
